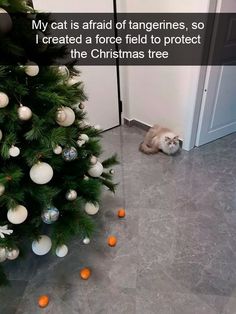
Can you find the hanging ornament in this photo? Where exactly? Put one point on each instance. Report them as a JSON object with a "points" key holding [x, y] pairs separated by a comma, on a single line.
{"points": [[31, 69], [62, 250], [69, 154], [14, 151], [80, 143], [57, 150], [12, 253], [2, 189], [41, 173], [64, 71], [81, 106], [0, 135], [91, 209], [43, 301], [50, 215], [5, 21], [73, 80], [24, 113], [112, 171], [71, 195], [3, 254], [96, 170], [17, 215], [5, 231], [86, 178], [84, 137], [93, 160], [42, 246], [86, 240], [4, 100], [65, 116]]}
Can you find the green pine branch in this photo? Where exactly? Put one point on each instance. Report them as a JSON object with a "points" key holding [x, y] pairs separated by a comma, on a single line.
{"points": [[112, 161]]}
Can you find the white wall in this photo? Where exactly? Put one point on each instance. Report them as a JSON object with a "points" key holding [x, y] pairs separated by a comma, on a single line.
{"points": [[161, 94]]}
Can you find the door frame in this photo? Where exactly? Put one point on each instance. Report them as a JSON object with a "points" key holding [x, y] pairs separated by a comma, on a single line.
{"points": [[193, 114]]}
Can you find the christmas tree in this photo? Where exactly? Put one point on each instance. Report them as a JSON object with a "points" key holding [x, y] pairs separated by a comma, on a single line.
{"points": [[50, 176]]}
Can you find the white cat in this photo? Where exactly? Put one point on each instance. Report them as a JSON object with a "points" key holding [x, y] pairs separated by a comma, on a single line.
{"points": [[159, 138]]}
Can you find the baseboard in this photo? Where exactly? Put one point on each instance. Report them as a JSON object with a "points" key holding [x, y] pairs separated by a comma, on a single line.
{"points": [[136, 123]]}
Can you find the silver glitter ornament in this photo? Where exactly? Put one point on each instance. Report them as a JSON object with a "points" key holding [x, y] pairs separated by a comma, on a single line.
{"points": [[71, 195], [50, 215], [69, 154]]}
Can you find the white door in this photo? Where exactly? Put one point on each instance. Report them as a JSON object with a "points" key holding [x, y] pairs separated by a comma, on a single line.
{"points": [[100, 81], [218, 110]]}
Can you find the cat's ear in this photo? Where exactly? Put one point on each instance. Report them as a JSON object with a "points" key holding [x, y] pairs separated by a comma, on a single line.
{"points": [[176, 138], [167, 139]]}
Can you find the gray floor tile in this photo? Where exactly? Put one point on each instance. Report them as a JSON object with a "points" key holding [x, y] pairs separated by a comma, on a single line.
{"points": [[176, 251]]}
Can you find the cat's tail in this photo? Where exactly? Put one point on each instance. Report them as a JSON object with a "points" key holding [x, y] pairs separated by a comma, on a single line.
{"points": [[144, 148]]}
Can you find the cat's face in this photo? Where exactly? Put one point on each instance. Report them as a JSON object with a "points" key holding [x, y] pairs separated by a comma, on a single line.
{"points": [[172, 143]]}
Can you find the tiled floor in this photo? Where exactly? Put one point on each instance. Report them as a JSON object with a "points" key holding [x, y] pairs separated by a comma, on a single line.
{"points": [[176, 251]]}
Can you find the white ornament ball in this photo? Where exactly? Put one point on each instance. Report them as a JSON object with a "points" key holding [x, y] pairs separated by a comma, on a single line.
{"points": [[86, 178], [73, 80], [57, 150], [69, 119], [71, 195], [14, 151], [0, 135], [91, 209], [62, 250], [42, 246], [24, 113], [5, 21], [3, 254], [4, 100], [80, 143], [84, 137], [41, 173], [64, 71], [13, 253], [2, 189], [31, 69], [96, 170], [93, 160], [86, 240], [17, 215]]}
